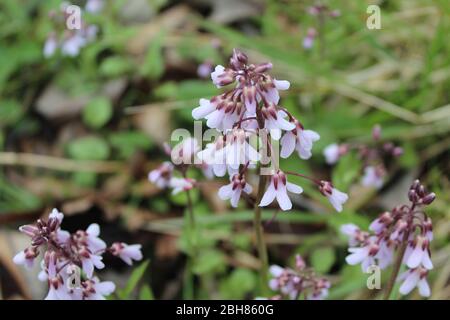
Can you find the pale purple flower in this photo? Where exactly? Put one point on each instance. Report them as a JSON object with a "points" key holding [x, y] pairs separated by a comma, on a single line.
{"points": [[354, 234], [50, 46], [272, 94], [181, 184], [278, 188], [334, 196], [419, 255], [26, 257], [300, 140], [94, 6], [379, 224], [56, 287], [233, 190], [364, 255], [93, 289], [237, 150], [204, 109], [204, 69], [162, 175], [372, 178], [332, 153], [275, 122], [219, 71], [126, 252], [415, 278]]}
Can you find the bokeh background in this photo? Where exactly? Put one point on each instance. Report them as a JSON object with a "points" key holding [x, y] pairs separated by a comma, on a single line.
{"points": [[81, 133]]}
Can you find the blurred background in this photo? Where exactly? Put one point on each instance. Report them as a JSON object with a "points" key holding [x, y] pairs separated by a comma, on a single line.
{"points": [[83, 119]]}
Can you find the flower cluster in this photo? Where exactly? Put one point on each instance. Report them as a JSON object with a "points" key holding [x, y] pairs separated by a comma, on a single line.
{"points": [[250, 109], [293, 283], [374, 156], [66, 255], [71, 41], [406, 229]]}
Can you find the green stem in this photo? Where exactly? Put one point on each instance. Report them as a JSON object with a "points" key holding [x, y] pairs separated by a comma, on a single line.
{"points": [[259, 232]]}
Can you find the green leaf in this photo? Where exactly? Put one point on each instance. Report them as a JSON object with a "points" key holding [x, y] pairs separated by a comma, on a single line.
{"points": [[146, 293], [238, 284], [97, 112], [89, 148], [323, 259], [115, 66], [135, 277], [209, 261], [346, 171]]}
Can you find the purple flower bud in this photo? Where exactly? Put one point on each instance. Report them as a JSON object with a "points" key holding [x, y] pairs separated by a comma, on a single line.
{"points": [[398, 151], [429, 198], [412, 196]]}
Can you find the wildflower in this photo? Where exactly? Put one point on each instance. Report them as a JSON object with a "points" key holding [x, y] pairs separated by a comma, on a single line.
{"points": [[162, 175], [184, 152], [204, 69], [275, 121], [332, 153], [372, 177], [404, 226], [336, 197], [278, 188], [415, 278], [181, 184], [50, 46], [292, 283], [64, 253], [94, 6], [300, 140], [126, 252], [234, 189]]}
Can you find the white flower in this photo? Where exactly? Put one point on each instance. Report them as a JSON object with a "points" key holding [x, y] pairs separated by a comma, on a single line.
{"points": [[274, 121], [237, 150], [216, 74], [91, 253], [71, 46], [126, 252], [372, 178], [50, 46], [331, 153], [300, 140], [278, 188], [94, 6], [234, 189], [26, 257], [161, 176], [364, 255], [419, 255], [272, 95], [385, 254], [415, 278], [181, 184], [336, 197], [96, 290], [352, 232], [56, 287], [205, 108]]}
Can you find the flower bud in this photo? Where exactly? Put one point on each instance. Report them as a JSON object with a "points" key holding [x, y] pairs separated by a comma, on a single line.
{"points": [[429, 198]]}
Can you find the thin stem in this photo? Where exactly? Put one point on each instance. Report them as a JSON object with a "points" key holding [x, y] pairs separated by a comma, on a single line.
{"points": [[259, 232], [399, 260], [190, 210], [303, 176]]}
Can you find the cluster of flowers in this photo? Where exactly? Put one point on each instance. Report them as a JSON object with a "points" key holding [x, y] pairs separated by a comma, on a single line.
{"points": [[250, 107], [373, 155], [65, 255], [292, 283], [406, 227], [72, 41], [322, 12]]}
